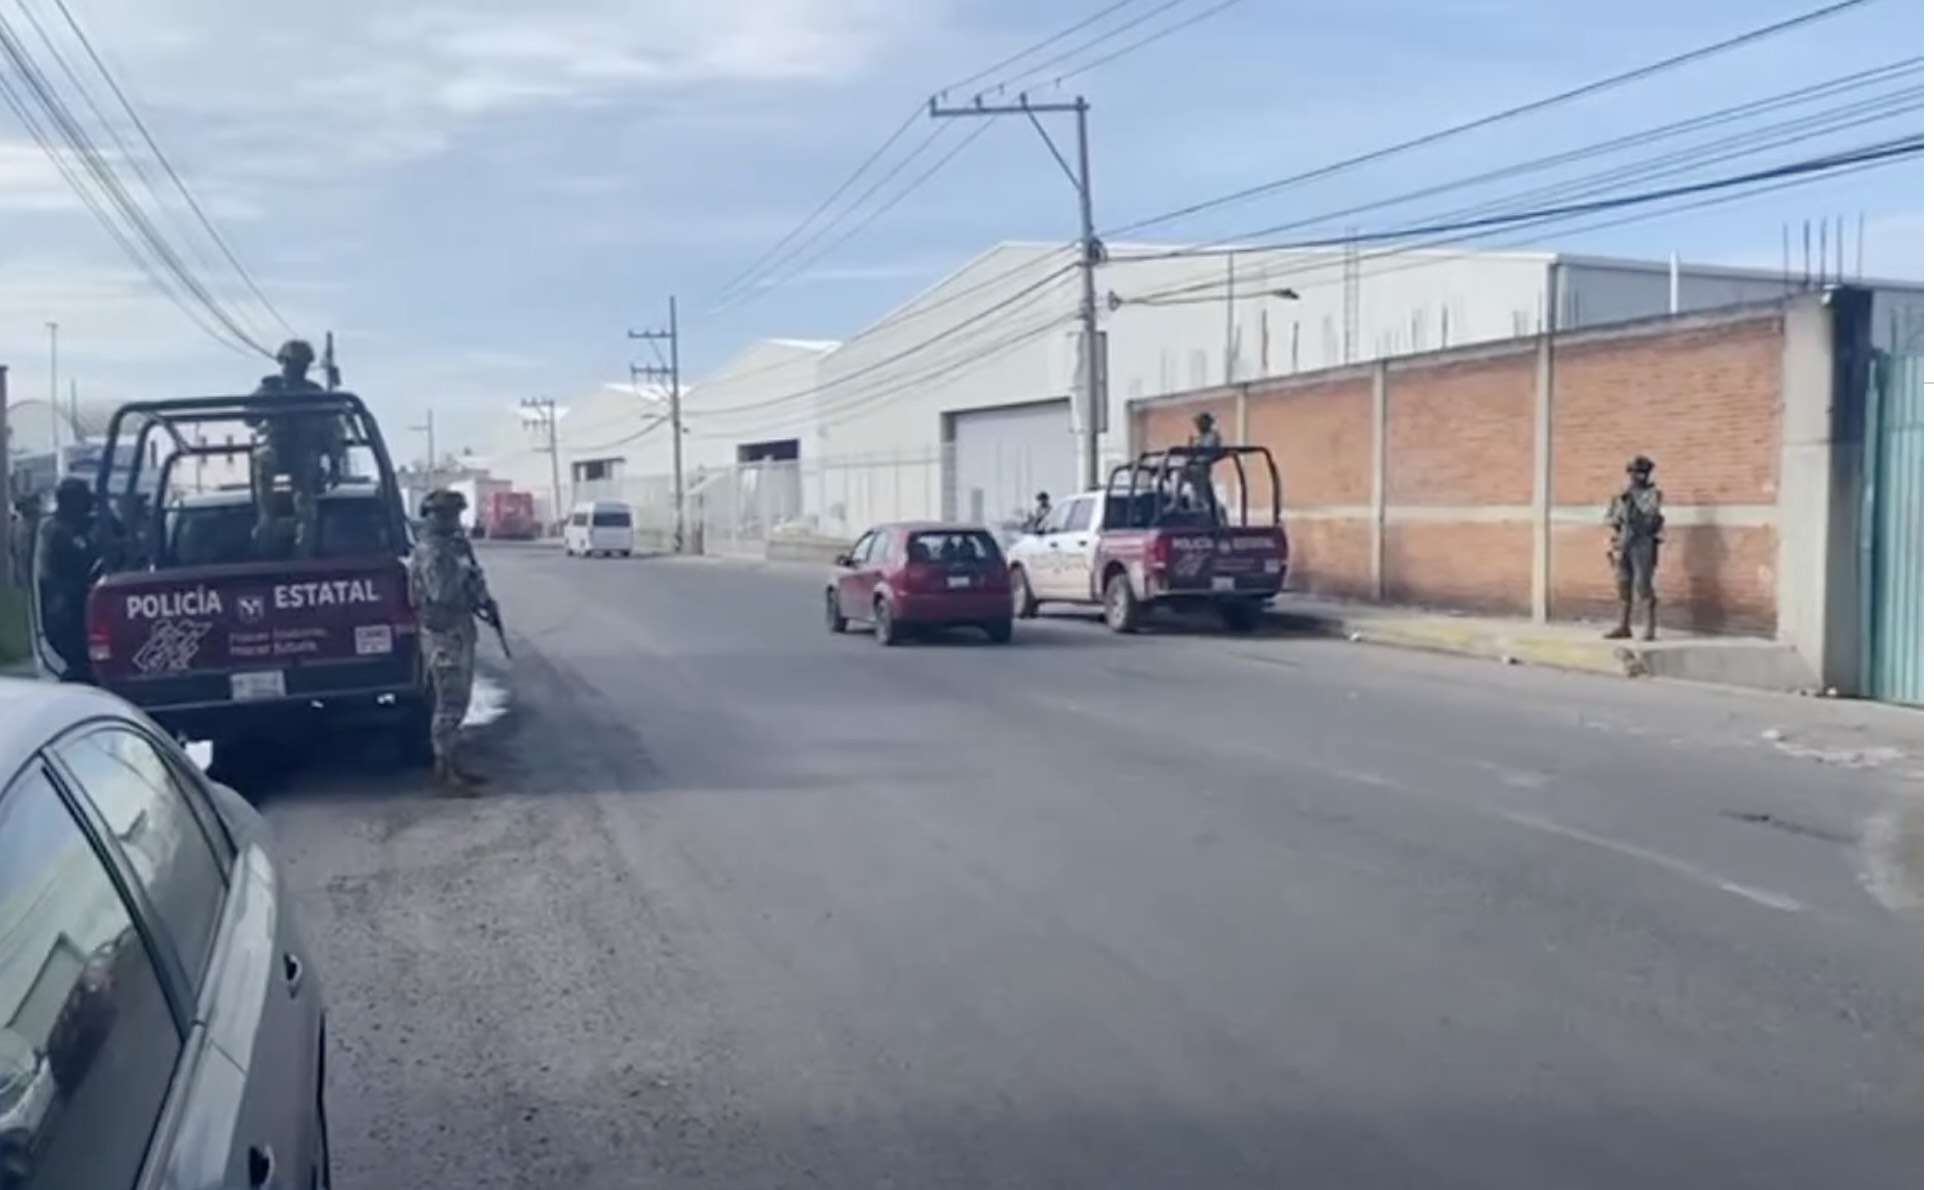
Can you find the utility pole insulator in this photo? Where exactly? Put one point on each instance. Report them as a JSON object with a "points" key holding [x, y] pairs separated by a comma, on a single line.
{"points": [[1094, 371], [674, 395]]}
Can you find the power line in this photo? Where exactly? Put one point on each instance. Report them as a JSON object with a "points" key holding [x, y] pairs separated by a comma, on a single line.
{"points": [[1093, 19], [148, 138], [1624, 78], [1709, 192], [90, 157], [68, 171], [1710, 152], [1849, 161], [1140, 43]]}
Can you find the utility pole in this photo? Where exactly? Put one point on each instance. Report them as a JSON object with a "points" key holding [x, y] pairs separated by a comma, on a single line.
{"points": [[428, 430], [53, 389], [1094, 359], [668, 374], [546, 410]]}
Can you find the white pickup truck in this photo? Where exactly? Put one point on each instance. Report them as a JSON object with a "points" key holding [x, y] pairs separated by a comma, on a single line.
{"points": [[1135, 545]]}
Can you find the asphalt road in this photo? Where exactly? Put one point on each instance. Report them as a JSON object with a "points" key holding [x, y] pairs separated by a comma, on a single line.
{"points": [[751, 906]]}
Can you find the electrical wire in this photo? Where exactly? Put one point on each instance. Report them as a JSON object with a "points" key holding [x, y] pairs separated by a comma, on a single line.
{"points": [[1664, 166], [746, 279], [1143, 43], [69, 172], [1597, 86], [77, 139], [174, 175], [1778, 101], [1705, 193]]}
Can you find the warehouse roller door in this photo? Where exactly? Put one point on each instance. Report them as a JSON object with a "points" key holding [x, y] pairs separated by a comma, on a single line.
{"points": [[998, 459]]}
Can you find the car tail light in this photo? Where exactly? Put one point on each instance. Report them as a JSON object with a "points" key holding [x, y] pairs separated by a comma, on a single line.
{"points": [[100, 640], [923, 576], [1158, 552]]}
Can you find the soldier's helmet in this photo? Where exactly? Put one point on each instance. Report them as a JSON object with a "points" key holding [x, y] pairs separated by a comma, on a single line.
{"points": [[295, 351], [1640, 465], [443, 501], [1204, 420]]}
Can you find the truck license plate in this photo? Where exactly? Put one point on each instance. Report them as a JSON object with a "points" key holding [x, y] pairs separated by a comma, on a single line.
{"points": [[956, 581], [374, 640], [248, 687], [1223, 582]]}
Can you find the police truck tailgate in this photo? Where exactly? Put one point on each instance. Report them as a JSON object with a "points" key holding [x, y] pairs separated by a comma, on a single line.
{"points": [[253, 632]]}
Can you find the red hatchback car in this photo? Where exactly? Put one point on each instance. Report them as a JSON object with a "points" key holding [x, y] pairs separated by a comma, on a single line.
{"points": [[900, 579]]}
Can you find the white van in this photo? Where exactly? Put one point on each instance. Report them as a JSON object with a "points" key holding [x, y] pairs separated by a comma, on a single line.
{"points": [[599, 527]]}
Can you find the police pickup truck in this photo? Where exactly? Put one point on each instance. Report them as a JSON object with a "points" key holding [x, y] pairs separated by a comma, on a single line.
{"points": [[223, 633], [1174, 529]]}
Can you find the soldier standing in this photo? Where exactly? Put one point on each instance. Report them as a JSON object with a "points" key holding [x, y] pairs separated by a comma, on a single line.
{"points": [[1636, 518], [1207, 440], [448, 592], [64, 559], [308, 448]]}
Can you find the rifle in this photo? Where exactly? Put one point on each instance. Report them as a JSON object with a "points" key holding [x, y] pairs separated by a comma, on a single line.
{"points": [[490, 615]]}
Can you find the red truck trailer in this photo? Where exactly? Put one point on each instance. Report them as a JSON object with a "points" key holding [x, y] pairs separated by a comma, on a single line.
{"points": [[510, 515]]}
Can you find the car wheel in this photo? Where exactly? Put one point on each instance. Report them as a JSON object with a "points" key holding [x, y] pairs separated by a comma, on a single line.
{"points": [[1026, 606], [886, 628], [835, 623], [999, 631], [1120, 608], [413, 747]]}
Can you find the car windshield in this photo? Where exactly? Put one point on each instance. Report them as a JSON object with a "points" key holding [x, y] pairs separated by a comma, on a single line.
{"points": [[971, 545]]}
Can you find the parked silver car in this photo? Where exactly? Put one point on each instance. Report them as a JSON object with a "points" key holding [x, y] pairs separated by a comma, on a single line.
{"points": [[160, 1020]]}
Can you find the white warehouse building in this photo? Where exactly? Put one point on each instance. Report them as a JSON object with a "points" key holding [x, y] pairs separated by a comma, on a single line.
{"points": [[961, 403]]}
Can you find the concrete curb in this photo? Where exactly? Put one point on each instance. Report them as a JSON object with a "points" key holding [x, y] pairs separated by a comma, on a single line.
{"points": [[1471, 640], [1743, 663]]}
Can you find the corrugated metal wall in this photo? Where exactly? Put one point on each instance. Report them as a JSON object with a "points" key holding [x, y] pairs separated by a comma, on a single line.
{"points": [[1892, 530]]}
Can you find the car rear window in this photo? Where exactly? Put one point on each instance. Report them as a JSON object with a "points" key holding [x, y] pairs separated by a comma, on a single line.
{"points": [[611, 518], [951, 546]]}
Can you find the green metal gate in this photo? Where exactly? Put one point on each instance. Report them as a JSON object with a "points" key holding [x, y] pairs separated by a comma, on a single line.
{"points": [[1892, 533]]}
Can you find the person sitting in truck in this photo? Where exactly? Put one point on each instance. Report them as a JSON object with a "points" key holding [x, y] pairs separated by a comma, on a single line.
{"points": [[1038, 519]]}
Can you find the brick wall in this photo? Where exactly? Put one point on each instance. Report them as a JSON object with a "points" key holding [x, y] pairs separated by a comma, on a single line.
{"points": [[1454, 514]]}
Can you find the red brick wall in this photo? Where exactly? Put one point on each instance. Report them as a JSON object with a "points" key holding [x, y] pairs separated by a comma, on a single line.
{"points": [[1700, 395]]}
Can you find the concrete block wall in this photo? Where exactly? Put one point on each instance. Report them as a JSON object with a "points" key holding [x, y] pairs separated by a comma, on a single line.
{"points": [[1476, 478]]}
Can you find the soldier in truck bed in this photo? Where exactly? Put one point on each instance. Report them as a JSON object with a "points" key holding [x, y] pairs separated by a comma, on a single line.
{"points": [[307, 448]]}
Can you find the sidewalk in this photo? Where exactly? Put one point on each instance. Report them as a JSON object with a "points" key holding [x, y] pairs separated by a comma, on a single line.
{"points": [[1726, 661]]}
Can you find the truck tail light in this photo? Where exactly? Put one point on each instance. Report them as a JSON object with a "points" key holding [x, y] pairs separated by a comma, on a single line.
{"points": [[1158, 552], [100, 640]]}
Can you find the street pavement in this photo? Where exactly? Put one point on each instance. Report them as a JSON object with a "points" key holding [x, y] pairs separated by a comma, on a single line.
{"points": [[747, 905]]}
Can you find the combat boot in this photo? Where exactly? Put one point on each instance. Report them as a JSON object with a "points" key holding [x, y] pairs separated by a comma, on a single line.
{"points": [[1651, 619], [1624, 629], [450, 780]]}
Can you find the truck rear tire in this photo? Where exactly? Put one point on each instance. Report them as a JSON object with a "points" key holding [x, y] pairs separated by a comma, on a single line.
{"points": [[1120, 608], [1242, 616]]}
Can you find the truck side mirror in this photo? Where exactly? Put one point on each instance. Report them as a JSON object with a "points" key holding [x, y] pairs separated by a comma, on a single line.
{"points": [[844, 560]]}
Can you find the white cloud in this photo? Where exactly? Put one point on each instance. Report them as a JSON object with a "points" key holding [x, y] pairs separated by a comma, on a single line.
{"points": [[366, 83]]}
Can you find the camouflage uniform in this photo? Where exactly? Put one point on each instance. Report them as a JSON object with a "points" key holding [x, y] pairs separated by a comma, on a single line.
{"points": [[1636, 518], [1201, 481], [298, 447], [447, 590]]}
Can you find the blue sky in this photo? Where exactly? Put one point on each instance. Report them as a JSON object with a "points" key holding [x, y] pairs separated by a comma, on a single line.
{"points": [[480, 197]]}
